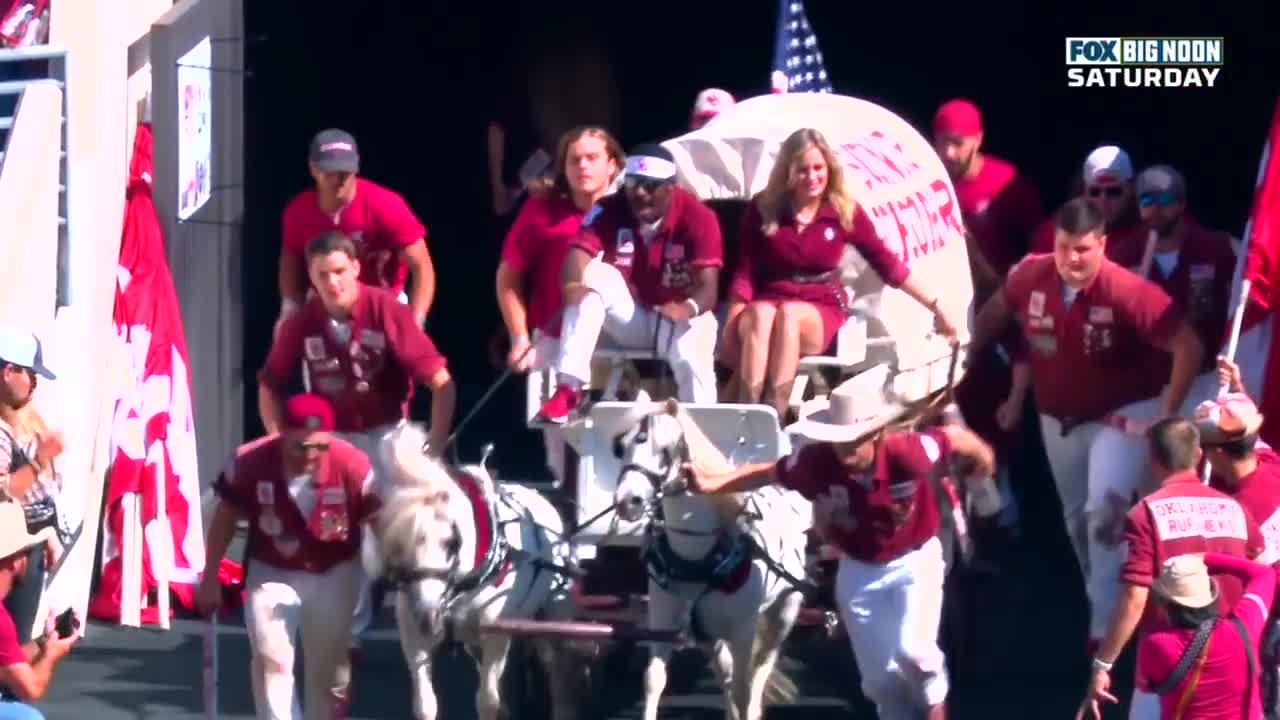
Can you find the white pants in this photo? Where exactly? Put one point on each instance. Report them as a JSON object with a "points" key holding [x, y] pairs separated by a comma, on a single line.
{"points": [[368, 442], [688, 346], [280, 605], [1097, 470], [543, 357], [892, 613], [1144, 706]]}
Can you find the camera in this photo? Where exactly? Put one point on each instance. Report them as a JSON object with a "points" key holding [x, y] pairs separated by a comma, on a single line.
{"points": [[66, 624]]}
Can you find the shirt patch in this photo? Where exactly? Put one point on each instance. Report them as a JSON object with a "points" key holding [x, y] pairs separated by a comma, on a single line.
{"points": [[1044, 344], [266, 494], [1101, 314], [1040, 323], [373, 339], [329, 385], [314, 348], [1271, 534], [1184, 517], [333, 496], [1202, 271], [1035, 305], [673, 251]]}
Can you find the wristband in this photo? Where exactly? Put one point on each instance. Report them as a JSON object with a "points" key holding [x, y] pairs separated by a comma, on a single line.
{"points": [[1104, 666], [693, 307]]}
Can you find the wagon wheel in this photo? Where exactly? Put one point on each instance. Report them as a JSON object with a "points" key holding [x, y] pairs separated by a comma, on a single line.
{"points": [[525, 694]]}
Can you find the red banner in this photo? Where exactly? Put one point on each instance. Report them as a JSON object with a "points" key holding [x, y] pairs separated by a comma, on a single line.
{"points": [[1262, 269]]}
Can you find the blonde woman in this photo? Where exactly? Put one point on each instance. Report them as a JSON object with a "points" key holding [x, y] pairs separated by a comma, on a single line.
{"points": [[786, 300], [28, 474], [586, 164]]}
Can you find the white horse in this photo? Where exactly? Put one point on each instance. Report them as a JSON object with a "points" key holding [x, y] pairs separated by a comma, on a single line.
{"points": [[702, 574], [462, 551]]}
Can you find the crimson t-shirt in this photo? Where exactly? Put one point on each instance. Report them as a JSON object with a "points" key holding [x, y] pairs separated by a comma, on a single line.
{"points": [[368, 372], [536, 247], [11, 652], [1002, 209], [378, 221], [875, 516]]}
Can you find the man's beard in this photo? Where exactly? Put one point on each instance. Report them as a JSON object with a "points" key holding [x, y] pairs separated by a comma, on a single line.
{"points": [[1166, 229], [18, 403], [962, 167]]}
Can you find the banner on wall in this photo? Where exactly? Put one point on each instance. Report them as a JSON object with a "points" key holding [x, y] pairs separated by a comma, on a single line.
{"points": [[195, 132]]}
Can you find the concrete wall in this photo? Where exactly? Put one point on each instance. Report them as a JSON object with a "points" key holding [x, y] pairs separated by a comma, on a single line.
{"points": [[204, 250], [29, 203]]}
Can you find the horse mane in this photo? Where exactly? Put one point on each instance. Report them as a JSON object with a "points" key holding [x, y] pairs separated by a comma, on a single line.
{"points": [[414, 481], [727, 505]]}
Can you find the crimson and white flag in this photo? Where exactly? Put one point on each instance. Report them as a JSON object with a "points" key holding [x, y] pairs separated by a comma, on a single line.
{"points": [[153, 431], [1262, 269]]}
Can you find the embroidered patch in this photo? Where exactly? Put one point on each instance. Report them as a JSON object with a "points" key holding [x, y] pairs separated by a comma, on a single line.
{"points": [[673, 251], [625, 241], [1046, 345], [1035, 305], [373, 339], [266, 494], [1040, 323], [333, 496], [1202, 271], [270, 525], [329, 385], [328, 364], [1183, 517], [1101, 314], [314, 348], [333, 526]]}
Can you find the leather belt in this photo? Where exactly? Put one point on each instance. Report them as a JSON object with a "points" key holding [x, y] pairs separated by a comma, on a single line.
{"points": [[813, 278]]}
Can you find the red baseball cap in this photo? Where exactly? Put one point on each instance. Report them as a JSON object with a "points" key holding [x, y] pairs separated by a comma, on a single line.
{"points": [[307, 412], [710, 103], [957, 117]]}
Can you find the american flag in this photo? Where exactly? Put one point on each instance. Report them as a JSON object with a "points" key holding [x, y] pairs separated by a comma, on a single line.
{"points": [[797, 61]]}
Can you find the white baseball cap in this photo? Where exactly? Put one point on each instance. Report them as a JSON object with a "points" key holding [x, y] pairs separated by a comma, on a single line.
{"points": [[709, 103], [23, 349], [1108, 164]]}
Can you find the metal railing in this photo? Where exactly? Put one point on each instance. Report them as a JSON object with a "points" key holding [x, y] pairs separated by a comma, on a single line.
{"points": [[20, 68]]}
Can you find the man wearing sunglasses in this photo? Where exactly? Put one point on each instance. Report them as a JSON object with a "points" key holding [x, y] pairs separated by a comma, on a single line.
{"points": [[1108, 183], [305, 495], [645, 269], [1193, 264]]}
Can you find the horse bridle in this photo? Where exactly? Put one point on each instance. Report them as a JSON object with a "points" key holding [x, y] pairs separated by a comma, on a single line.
{"points": [[675, 457], [398, 576]]}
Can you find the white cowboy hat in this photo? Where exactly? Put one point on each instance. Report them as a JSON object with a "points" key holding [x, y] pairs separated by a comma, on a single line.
{"points": [[1185, 580], [855, 409], [14, 537]]}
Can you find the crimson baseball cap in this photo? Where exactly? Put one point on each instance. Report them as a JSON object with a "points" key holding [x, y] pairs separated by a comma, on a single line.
{"points": [[957, 117], [307, 412], [334, 150], [24, 350], [710, 103]]}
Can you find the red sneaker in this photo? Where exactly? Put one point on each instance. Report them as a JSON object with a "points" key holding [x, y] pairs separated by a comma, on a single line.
{"points": [[563, 402]]}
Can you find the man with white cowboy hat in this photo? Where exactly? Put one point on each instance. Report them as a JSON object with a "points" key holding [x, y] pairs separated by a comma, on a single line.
{"points": [[25, 670], [873, 495]]}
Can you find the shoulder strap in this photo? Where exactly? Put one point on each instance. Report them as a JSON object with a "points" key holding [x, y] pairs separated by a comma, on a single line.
{"points": [[1188, 691], [1190, 654], [1248, 646]]}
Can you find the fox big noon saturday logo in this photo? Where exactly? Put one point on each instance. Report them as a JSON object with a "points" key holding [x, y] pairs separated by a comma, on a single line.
{"points": [[1143, 62]]}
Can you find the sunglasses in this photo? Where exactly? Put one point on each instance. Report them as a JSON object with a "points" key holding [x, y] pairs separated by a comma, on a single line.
{"points": [[317, 446], [1113, 191], [1163, 200], [649, 185]]}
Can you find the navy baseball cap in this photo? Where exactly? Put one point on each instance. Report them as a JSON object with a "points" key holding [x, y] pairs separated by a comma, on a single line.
{"points": [[335, 150], [651, 161], [24, 350]]}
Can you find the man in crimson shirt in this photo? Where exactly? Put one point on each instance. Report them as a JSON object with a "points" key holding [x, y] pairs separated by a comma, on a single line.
{"points": [[389, 240], [1194, 265], [1001, 210], [306, 495], [363, 351], [1108, 182], [1181, 517], [645, 268], [874, 498], [1086, 328]]}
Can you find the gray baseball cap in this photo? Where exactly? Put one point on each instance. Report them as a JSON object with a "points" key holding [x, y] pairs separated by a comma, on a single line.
{"points": [[335, 150], [1162, 179], [24, 350]]}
